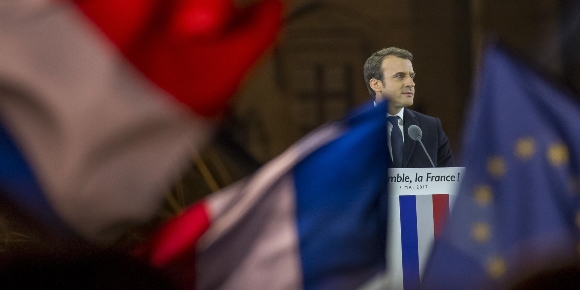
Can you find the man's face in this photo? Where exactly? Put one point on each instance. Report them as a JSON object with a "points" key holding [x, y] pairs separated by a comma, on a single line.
{"points": [[397, 85]]}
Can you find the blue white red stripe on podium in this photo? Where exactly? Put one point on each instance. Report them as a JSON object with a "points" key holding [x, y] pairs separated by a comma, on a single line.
{"points": [[421, 219]]}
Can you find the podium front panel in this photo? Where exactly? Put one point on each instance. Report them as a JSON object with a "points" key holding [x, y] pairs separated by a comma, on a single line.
{"points": [[420, 201]]}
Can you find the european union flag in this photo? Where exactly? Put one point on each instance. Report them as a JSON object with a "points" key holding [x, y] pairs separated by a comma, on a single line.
{"points": [[518, 207]]}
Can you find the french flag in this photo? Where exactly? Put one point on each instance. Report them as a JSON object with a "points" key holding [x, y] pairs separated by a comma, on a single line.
{"points": [[313, 218], [103, 101], [421, 222]]}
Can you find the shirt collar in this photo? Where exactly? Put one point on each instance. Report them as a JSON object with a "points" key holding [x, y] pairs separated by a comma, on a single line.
{"points": [[399, 114]]}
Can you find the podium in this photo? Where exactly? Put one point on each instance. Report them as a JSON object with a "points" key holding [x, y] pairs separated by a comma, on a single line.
{"points": [[420, 200]]}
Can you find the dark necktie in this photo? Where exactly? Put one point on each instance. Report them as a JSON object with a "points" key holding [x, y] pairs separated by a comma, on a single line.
{"points": [[396, 142]]}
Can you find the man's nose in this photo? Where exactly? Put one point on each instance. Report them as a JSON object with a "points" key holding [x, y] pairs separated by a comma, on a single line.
{"points": [[409, 82]]}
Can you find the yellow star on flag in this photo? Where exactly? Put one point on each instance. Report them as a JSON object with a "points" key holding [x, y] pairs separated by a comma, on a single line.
{"points": [[558, 154], [496, 166], [525, 148]]}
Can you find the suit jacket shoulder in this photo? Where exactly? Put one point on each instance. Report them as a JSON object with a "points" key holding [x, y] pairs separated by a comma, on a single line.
{"points": [[434, 139]]}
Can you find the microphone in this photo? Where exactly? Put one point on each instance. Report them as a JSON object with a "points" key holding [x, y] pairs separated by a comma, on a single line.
{"points": [[415, 133]]}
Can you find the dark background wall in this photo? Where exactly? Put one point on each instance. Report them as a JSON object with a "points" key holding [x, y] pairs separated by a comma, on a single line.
{"points": [[314, 74]]}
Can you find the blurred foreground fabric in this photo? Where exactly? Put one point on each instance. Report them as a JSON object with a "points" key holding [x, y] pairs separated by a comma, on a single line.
{"points": [[518, 208], [312, 218], [102, 103]]}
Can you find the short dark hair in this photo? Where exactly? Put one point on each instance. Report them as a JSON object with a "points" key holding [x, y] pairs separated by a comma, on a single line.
{"points": [[372, 67]]}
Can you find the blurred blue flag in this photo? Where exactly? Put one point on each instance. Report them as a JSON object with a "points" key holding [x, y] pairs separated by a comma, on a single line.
{"points": [[518, 206], [315, 217]]}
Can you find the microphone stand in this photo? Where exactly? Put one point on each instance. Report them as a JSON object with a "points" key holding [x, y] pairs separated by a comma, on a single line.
{"points": [[425, 150]]}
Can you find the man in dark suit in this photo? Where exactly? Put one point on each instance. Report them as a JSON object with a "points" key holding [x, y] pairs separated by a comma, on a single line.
{"points": [[389, 76]]}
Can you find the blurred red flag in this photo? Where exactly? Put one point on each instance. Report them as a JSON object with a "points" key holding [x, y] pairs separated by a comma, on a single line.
{"points": [[197, 50], [103, 101]]}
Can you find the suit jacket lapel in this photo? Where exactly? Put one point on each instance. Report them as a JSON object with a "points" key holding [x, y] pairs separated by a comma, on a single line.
{"points": [[409, 144]]}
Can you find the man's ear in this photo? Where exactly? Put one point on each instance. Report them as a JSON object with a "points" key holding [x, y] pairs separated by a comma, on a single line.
{"points": [[376, 85]]}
